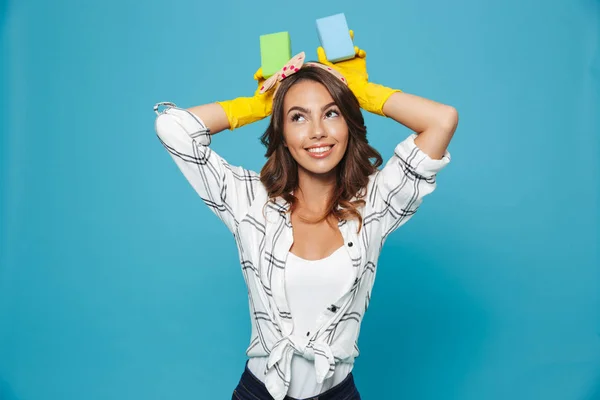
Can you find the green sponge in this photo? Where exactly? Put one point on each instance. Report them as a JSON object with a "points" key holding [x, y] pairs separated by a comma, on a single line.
{"points": [[275, 52]]}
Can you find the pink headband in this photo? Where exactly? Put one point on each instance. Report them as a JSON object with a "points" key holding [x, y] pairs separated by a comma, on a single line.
{"points": [[292, 67]]}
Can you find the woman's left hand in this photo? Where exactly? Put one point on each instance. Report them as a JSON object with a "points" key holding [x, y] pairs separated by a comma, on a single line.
{"points": [[354, 69], [371, 96]]}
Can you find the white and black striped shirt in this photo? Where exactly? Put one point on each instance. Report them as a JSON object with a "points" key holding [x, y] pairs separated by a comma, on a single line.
{"points": [[263, 233]]}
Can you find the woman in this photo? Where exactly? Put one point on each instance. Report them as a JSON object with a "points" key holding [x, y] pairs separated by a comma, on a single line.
{"points": [[310, 226]]}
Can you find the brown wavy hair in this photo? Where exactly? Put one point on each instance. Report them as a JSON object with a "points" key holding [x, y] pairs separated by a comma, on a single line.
{"points": [[279, 175]]}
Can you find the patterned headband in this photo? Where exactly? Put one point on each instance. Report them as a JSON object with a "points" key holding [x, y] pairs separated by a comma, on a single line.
{"points": [[291, 68]]}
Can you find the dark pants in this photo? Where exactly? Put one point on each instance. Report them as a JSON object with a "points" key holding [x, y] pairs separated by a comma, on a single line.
{"points": [[251, 388]]}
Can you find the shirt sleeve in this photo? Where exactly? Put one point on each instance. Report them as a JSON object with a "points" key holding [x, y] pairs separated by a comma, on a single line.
{"points": [[399, 188], [227, 190]]}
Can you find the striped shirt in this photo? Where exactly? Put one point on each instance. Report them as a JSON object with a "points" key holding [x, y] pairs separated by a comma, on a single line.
{"points": [[262, 231]]}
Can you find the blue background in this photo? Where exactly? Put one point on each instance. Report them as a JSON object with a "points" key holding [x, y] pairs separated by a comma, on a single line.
{"points": [[116, 282]]}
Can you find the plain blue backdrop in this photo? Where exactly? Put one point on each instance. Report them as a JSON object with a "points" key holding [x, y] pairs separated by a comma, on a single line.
{"points": [[116, 282]]}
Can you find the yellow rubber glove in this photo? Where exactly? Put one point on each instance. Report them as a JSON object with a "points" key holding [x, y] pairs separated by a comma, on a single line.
{"points": [[245, 110], [371, 96]]}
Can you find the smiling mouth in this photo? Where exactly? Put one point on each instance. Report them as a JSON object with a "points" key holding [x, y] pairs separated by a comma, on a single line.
{"points": [[320, 150]]}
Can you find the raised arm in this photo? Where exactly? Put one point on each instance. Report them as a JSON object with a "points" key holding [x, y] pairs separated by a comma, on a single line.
{"points": [[397, 191], [233, 114], [410, 174], [226, 189], [213, 115], [433, 122]]}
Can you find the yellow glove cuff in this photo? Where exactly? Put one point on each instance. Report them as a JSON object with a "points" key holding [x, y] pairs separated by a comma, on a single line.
{"points": [[244, 110], [372, 97]]}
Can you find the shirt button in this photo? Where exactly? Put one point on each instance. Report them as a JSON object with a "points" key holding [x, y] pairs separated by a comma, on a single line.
{"points": [[350, 244], [307, 333]]}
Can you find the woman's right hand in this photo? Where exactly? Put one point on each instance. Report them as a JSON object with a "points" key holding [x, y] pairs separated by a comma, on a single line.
{"points": [[245, 110], [266, 99]]}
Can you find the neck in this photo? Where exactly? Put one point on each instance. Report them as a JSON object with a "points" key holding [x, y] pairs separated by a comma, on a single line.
{"points": [[315, 191]]}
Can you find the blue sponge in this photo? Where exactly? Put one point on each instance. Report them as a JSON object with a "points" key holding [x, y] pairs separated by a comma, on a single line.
{"points": [[335, 38]]}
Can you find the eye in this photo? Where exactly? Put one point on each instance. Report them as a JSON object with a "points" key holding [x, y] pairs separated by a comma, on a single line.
{"points": [[332, 113], [296, 117]]}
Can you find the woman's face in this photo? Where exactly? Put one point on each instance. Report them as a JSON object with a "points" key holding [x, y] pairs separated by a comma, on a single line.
{"points": [[314, 130]]}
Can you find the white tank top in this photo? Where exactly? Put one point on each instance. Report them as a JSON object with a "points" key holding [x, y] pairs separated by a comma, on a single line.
{"points": [[311, 286]]}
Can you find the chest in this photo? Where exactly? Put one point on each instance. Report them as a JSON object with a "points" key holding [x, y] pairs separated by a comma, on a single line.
{"points": [[315, 241], [268, 233]]}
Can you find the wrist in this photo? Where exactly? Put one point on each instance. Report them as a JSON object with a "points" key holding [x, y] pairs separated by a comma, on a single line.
{"points": [[375, 97], [242, 111]]}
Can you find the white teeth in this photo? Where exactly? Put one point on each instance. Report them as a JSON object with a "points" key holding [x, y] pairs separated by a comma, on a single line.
{"points": [[320, 149]]}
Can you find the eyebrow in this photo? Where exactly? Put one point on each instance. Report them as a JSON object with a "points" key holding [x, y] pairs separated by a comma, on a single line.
{"points": [[306, 111]]}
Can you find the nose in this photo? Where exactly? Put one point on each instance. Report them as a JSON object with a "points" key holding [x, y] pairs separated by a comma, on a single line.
{"points": [[318, 130]]}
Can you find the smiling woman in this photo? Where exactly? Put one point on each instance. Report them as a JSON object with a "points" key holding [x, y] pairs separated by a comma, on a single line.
{"points": [[310, 226], [317, 135]]}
